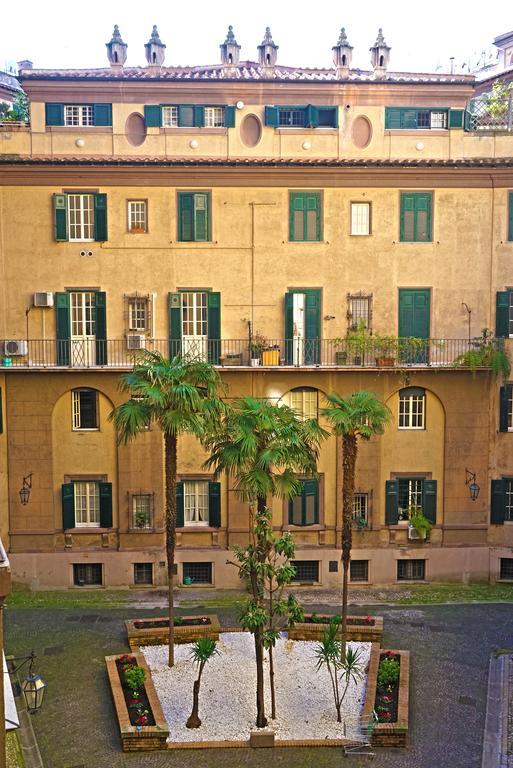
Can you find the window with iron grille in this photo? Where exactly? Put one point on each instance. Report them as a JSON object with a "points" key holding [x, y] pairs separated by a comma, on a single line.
{"points": [[359, 570], [137, 216], [199, 573], [360, 218], [305, 401], [410, 495], [142, 510], [359, 311], [138, 309], [87, 574], [361, 507], [412, 408], [78, 114], [143, 573], [411, 570], [506, 568], [306, 570], [85, 409]]}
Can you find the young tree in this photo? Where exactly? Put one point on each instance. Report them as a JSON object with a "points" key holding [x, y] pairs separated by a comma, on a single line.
{"points": [[328, 652], [201, 652], [179, 396], [265, 448], [360, 415]]}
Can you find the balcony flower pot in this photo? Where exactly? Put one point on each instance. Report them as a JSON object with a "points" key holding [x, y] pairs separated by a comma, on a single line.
{"points": [[137, 230], [341, 358], [385, 362], [234, 359], [255, 362]]}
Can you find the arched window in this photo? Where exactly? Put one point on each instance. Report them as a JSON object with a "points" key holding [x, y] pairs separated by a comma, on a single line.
{"points": [[305, 401], [412, 408]]}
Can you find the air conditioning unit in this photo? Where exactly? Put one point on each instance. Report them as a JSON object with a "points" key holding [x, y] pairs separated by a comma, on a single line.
{"points": [[135, 341], [412, 533], [43, 299], [15, 347]]}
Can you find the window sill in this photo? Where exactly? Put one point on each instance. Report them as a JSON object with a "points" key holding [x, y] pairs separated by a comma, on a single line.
{"points": [[302, 130], [197, 529], [417, 132], [195, 129], [88, 529], [411, 581], [79, 128], [88, 586], [314, 527], [135, 529], [308, 242]]}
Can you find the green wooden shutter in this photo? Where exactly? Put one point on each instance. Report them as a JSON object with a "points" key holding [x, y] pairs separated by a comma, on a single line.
{"points": [[1, 414], [407, 206], [312, 326], [101, 328], [103, 114], [272, 117], [199, 116], [313, 203], [68, 505], [503, 407], [429, 500], [54, 114], [311, 488], [180, 518], [185, 216], [312, 116], [498, 502], [63, 325], [100, 216], [175, 325], [214, 505], [423, 205], [201, 217], [296, 208], [335, 117], [392, 118], [185, 116], [105, 505], [60, 216], [409, 118], [214, 326], [289, 328], [229, 117], [456, 118], [510, 216], [502, 314], [391, 502], [467, 120], [153, 115]]}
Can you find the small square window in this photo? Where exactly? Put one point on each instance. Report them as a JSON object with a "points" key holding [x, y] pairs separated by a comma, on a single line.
{"points": [[292, 118], [170, 117], [360, 218], [411, 570], [142, 511], [85, 409], [87, 574], [143, 573], [307, 571], [214, 117], [198, 573], [137, 216], [333, 566], [359, 570], [506, 568], [78, 115]]}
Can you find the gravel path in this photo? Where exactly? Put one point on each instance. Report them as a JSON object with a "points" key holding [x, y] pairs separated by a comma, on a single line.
{"points": [[304, 697]]}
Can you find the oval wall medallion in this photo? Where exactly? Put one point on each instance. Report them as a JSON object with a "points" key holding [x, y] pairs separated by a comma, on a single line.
{"points": [[135, 129], [361, 132], [250, 130]]}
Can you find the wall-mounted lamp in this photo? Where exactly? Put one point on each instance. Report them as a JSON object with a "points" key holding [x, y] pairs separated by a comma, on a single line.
{"points": [[473, 487], [25, 489], [33, 687]]}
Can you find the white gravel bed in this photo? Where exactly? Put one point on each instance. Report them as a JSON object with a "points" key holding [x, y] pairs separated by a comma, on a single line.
{"points": [[227, 702]]}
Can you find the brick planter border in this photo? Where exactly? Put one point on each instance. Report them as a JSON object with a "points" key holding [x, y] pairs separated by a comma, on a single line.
{"points": [[160, 635], [362, 633], [148, 737], [388, 734]]}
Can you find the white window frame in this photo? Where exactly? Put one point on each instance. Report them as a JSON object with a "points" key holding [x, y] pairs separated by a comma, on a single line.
{"points": [[196, 502], [214, 117], [78, 115], [138, 215], [77, 417], [438, 120], [170, 117], [305, 402], [360, 219], [413, 419], [90, 491], [136, 508], [361, 506], [81, 205]]}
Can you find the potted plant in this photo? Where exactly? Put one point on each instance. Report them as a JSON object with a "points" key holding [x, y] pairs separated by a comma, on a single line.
{"points": [[385, 348], [360, 522], [356, 343], [141, 519], [257, 343], [486, 354], [419, 522]]}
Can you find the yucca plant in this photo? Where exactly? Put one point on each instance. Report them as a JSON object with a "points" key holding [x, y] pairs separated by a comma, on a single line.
{"points": [[328, 653], [202, 651]]}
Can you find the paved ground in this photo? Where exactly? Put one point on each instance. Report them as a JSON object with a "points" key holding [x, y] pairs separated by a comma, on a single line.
{"points": [[450, 647]]}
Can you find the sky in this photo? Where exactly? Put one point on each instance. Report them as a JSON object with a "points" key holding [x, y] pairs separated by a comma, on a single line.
{"points": [[423, 36]]}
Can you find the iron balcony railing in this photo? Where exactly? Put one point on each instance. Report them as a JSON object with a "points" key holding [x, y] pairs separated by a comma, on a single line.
{"points": [[490, 113], [340, 353]]}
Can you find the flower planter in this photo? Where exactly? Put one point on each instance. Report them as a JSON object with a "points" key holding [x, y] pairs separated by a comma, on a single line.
{"points": [[137, 737], [340, 358], [365, 629], [155, 631], [385, 362], [271, 357], [393, 733], [232, 360]]}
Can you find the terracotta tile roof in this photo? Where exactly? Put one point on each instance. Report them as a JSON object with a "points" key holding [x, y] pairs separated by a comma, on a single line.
{"points": [[265, 162], [246, 70], [9, 83]]}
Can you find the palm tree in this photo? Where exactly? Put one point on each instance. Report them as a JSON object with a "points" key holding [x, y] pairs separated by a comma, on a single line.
{"points": [[201, 652], [264, 447], [179, 396], [360, 415]]}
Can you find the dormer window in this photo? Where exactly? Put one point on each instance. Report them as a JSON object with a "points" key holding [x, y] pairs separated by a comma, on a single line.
{"points": [[413, 118], [307, 116]]}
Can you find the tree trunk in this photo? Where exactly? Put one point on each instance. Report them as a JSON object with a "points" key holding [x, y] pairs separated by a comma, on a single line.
{"points": [[194, 721], [271, 684], [349, 452], [170, 459], [261, 720]]}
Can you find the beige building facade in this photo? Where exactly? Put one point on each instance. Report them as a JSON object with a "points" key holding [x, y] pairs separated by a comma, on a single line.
{"points": [[194, 210]]}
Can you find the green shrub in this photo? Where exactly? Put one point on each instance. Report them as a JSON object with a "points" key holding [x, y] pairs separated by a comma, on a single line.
{"points": [[135, 677], [388, 672]]}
